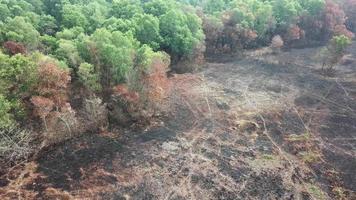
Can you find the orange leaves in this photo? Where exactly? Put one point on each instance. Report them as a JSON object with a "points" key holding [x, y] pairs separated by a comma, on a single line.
{"points": [[14, 48], [128, 96], [43, 106], [53, 83], [294, 33]]}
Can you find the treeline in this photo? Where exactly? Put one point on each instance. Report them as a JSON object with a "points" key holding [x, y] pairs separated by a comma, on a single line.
{"points": [[231, 25], [66, 65]]}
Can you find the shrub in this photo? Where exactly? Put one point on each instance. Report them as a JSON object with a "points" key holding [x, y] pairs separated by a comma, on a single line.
{"points": [[95, 113], [335, 51], [42, 107], [53, 83], [277, 43], [6, 118], [89, 77], [13, 48], [17, 79], [335, 19], [112, 53], [61, 125], [180, 32], [19, 30], [294, 33]]}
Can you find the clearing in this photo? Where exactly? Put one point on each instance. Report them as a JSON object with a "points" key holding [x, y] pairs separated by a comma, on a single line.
{"points": [[259, 127]]}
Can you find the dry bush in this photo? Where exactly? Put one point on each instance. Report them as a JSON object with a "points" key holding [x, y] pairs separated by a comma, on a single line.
{"points": [[277, 43], [14, 48], [53, 83], [42, 107], [334, 20], [61, 125], [330, 22], [156, 84], [95, 114], [14, 144], [294, 33], [52, 105]]}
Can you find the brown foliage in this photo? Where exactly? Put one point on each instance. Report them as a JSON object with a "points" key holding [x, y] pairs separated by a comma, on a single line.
{"points": [[156, 82], [43, 106], [329, 23], [294, 33], [14, 48], [125, 94], [277, 42], [53, 83], [335, 19]]}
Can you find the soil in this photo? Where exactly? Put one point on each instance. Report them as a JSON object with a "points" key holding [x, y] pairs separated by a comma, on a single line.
{"points": [[263, 126]]}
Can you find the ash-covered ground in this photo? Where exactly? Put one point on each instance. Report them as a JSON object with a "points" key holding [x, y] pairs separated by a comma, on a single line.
{"points": [[259, 127]]}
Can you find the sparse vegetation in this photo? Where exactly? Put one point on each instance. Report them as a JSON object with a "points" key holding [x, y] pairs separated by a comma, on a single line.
{"points": [[334, 51]]}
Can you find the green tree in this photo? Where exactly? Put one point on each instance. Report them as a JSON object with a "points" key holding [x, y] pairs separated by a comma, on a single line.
{"points": [[180, 32], [17, 29], [286, 11], [126, 9], [158, 7], [89, 77], [72, 16], [112, 54], [47, 25], [147, 30], [4, 12], [67, 51]]}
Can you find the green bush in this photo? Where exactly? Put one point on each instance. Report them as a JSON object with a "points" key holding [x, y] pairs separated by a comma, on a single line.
{"points": [[89, 77], [180, 32], [19, 30]]}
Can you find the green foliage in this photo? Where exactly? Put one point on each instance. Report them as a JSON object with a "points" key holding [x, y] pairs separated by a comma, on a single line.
{"points": [[4, 12], [122, 25], [72, 16], [47, 25], [340, 43], [6, 118], [335, 51], [96, 12], [17, 29], [253, 14], [111, 52], [50, 44], [158, 7], [89, 77], [17, 78], [17, 75], [180, 32], [214, 6], [126, 9], [147, 31], [312, 7], [286, 11], [67, 51]]}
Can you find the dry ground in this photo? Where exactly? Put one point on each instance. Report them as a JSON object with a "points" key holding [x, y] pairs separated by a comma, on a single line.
{"points": [[262, 127]]}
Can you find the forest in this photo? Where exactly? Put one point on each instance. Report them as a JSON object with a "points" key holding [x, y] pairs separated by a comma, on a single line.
{"points": [[104, 68]]}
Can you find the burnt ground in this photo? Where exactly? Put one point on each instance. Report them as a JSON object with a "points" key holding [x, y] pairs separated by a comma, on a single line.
{"points": [[262, 127]]}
